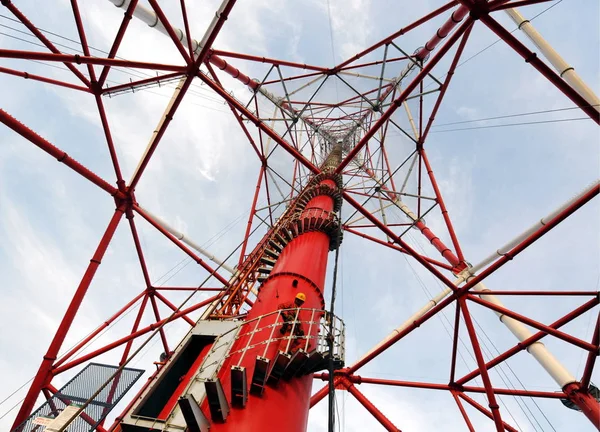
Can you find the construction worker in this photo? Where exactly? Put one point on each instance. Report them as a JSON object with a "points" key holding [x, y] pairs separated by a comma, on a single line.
{"points": [[288, 314]]}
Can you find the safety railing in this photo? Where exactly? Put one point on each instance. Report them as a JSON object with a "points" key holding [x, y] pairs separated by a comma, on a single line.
{"points": [[309, 330]]}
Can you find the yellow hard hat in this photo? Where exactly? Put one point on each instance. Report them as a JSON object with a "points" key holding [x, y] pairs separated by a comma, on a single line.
{"points": [[301, 296]]}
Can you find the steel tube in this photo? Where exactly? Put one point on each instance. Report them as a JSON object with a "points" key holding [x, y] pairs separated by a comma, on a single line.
{"points": [[79, 59], [181, 246], [182, 237], [117, 41], [484, 411], [385, 422], [54, 151], [27, 75], [91, 336], [564, 70]]}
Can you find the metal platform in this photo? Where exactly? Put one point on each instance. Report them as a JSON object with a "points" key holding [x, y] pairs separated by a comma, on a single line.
{"points": [[78, 391]]}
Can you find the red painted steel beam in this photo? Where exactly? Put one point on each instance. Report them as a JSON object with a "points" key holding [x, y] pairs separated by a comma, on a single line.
{"points": [[34, 30], [97, 91], [587, 403], [388, 225], [484, 411], [251, 216], [138, 249], [517, 392], [292, 78], [79, 59], [543, 293], [109, 142], [494, 3], [40, 78], [461, 408], [60, 155], [173, 307], [357, 379], [134, 328], [97, 331], [161, 288], [532, 58], [427, 67], [592, 357], [535, 324], [44, 373], [457, 16], [48, 397], [272, 61], [117, 41], [423, 154], [393, 246], [132, 336], [165, 22], [83, 39], [161, 330], [319, 395], [374, 63], [385, 422], [397, 383], [186, 26]]}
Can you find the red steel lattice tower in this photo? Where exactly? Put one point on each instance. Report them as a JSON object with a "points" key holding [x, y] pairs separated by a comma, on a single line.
{"points": [[240, 344]]}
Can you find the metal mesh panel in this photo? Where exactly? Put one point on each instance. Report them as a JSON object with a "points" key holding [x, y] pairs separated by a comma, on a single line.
{"points": [[79, 390]]}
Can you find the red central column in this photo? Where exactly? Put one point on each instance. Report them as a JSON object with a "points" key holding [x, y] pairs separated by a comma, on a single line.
{"points": [[311, 232]]}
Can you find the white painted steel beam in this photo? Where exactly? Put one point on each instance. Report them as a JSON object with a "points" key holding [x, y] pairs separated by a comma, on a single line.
{"points": [[181, 236], [566, 71]]}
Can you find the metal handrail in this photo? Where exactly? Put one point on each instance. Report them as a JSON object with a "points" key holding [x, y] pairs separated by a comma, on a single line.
{"points": [[318, 317]]}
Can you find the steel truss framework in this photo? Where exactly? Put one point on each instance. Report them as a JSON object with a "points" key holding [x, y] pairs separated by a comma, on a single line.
{"points": [[289, 114]]}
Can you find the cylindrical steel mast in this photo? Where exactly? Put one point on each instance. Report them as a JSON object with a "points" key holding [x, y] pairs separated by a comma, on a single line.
{"points": [[299, 268]]}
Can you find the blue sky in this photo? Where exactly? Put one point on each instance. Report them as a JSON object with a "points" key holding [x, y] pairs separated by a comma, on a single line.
{"points": [[496, 183]]}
